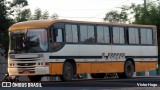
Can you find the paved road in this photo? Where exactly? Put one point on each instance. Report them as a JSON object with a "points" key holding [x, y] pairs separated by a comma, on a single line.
{"points": [[151, 83], [112, 82]]}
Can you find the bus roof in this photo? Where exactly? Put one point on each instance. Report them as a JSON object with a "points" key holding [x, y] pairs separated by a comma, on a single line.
{"points": [[47, 23]]}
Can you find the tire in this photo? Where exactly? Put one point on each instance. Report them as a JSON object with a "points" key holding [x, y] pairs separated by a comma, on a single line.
{"points": [[98, 75], [35, 78], [67, 74], [128, 70]]}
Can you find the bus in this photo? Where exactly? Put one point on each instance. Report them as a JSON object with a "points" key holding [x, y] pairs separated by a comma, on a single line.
{"points": [[66, 48]]}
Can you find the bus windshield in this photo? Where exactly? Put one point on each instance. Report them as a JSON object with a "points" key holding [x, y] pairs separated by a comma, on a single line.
{"points": [[31, 40]]}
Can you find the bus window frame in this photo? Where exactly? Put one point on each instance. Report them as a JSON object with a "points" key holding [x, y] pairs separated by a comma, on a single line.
{"points": [[138, 35], [77, 33], [109, 34], [95, 42], [126, 32], [124, 35], [152, 36], [59, 25]]}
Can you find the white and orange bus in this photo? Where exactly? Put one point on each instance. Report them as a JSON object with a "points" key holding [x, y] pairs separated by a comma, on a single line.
{"points": [[66, 48]]}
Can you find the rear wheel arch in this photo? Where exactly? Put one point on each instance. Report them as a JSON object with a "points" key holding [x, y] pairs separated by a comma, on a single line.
{"points": [[132, 60], [129, 69], [69, 69], [72, 61]]}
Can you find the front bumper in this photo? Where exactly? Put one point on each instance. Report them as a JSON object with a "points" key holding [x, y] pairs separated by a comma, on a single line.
{"points": [[28, 71]]}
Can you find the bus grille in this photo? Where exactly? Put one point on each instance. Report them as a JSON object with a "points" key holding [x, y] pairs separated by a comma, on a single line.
{"points": [[26, 64], [26, 59]]}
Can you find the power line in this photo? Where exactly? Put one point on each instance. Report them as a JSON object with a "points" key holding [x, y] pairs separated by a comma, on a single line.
{"points": [[109, 9]]}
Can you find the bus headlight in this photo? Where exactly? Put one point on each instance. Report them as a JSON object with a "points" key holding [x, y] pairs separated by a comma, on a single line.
{"points": [[40, 63], [12, 64]]}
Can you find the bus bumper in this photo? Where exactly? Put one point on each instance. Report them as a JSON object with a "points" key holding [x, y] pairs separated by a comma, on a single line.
{"points": [[28, 71]]}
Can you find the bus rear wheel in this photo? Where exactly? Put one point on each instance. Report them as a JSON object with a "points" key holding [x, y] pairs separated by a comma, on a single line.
{"points": [[98, 75], [128, 70], [35, 78], [67, 73]]}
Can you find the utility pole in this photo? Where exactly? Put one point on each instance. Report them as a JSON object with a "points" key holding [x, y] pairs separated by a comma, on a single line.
{"points": [[145, 9], [144, 4]]}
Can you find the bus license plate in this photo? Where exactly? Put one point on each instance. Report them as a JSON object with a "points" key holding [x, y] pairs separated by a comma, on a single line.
{"points": [[26, 72]]}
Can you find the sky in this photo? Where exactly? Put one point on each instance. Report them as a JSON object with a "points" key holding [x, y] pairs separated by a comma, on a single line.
{"points": [[88, 10]]}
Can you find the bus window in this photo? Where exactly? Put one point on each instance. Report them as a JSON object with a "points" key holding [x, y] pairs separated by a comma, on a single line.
{"points": [[103, 34], [58, 35], [37, 39], [133, 35], [87, 34], [118, 35], [57, 42], [71, 33], [146, 36]]}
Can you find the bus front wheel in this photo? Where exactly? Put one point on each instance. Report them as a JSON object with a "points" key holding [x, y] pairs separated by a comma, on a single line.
{"points": [[67, 73], [128, 70]]}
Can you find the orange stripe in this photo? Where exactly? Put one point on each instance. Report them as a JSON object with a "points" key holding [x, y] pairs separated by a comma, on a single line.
{"points": [[145, 66], [102, 67], [55, 68]]}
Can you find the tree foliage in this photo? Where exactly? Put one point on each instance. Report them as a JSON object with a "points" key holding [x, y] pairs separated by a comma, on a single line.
{"points": [[117, 17], [19, 3], [24, 15], [18, 10], [37, 14], [54, 16], [150, 15], [9, 13], [5, 22], [45, 15]]}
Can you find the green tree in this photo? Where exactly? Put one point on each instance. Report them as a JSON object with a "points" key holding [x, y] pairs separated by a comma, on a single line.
{"points": [[150, 15], [24, 15], [37, 14], [18, 11], [112, 16], [8, 13], [54, 16], [45, 15], [5, 22], [117, 17]]}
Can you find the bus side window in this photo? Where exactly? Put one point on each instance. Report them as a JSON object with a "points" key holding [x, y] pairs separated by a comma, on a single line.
{"points": [[58, 35]]}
